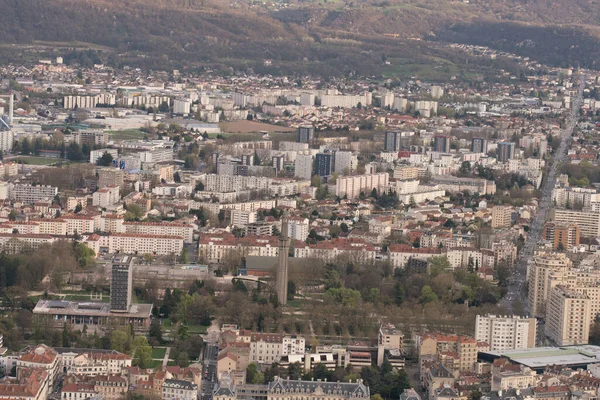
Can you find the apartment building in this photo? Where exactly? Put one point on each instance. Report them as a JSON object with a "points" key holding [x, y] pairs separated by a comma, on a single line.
{"points": [[506, 332], [400, 254], [161, 229], [110, 177], [406, 173], [39, 357], [91, 138], [26, 193], [135, 243], [175, 389], [544, 264], [501, 216], [298, 228], [33, 385], [78, 224], [7, 138], [572, 197], [219, 247], [232, 183], [431, 345], [241, 218], [73, 201], [568, 317], [51, 226], [15, 243], [107, 197], [506, 151], [329, 250], [588, 222], [95, 155], [303, 166], [455, 184], [562, 237], [479, 145], [156, 155], [353, 186], [345, 162], [268, 348]]}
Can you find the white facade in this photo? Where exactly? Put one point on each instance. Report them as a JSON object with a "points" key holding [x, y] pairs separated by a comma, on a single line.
{"points": [[298, 228], [6, 141], [506, 332], [345, 162], [303, 166], [352, 186]]}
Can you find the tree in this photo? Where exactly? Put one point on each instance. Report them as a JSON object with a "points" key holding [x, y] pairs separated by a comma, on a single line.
{"points": [[344, 227], [142, 352], [106, 160], [465, 168], [164, 107], [120, 341], [253, 375], [427, 295], [134, 212], [148, 258], [184, 256], [12, 215], [438, 264], [156, 331], [78, 208]]}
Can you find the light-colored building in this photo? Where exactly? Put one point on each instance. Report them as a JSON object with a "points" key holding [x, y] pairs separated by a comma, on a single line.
{"points": [[501, 217], [95, 155], [107, 196], [298, 228], [26, 193], [345, 162], [175, 389], [506, 332], [568, 316], [39, 357], [587, 221], [540, 270], [110, 177], [135, 243], [241, 218], [353, 186], [173, 229]]}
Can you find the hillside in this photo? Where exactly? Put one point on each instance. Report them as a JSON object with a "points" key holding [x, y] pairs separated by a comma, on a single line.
{"points": [[310, 36]]}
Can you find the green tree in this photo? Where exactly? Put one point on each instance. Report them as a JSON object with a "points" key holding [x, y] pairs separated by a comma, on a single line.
{"points": [[106, 159], [427, 295], [142, 352], [120, 341], [345, 296], [156, 330], [438, 264], [253, 375]]}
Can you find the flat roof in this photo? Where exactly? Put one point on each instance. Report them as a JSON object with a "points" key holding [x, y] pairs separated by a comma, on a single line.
{"points": [[541, 357], [89, 308]]}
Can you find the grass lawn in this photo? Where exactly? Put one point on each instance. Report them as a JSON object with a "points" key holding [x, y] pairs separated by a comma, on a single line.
{"points": [[159, 352], [197, 328], [167, 323], [156, 363], [171, 363], [127, 134], [31, 160]]}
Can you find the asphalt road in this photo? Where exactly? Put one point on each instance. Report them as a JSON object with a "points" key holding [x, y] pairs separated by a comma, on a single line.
{"points": [[516, 287], [209, 379]]}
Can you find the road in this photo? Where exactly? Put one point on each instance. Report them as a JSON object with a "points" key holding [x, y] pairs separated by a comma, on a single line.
{"points": [[516, 284], [209, 379]]}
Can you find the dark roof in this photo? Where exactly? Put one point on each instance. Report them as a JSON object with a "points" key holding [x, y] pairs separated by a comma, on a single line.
{"points": [[356, 389]]}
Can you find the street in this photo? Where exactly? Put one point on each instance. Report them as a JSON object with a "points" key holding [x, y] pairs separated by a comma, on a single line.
{"points": [[516, 288], [209, 378]]}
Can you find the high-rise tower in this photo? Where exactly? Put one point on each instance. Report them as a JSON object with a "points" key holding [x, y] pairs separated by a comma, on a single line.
{"points": [[282, 265]]}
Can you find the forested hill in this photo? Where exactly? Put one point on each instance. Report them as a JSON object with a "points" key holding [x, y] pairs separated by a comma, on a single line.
{"points": [[555, 31]]}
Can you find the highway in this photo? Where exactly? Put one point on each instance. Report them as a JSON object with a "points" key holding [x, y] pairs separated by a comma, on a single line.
{"points": [[516, 283], [209, 377]]}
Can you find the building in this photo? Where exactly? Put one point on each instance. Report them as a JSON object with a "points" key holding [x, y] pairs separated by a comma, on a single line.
{"points": [[345, 162], [174, 229], [441, 143], [135, 243], [501, 217], [454, 184], [433, 345], [392, 141], [389, 338], [505, 152], [562, 237], [298, 228], [316, 390], [506, 332], [107, 196], [323, 164], [353, 186], [95, 155], [568, 316], [588, 222], [121, 286], [26, 193], [277, 162], [33, 385], [6, 140], [39, 357], [406, 173], [92, 138], [540, 358], [303, 166], [110, 177], [283, 264], [111, 387], [305, 134], [543, 266], [175, 389], [479, 145]]}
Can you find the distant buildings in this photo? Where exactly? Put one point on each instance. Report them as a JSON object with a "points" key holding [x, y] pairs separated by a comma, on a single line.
{"points": [[353, 186], [506, 151], [305, 134], [323, 164], [588, 222], [441, 143], [479, 145], [303, 166], [562, 237], [121, 286]]}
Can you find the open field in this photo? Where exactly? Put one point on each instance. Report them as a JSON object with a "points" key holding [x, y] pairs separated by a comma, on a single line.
{"points": [[31, 160], [244, 126], [126, 134]]}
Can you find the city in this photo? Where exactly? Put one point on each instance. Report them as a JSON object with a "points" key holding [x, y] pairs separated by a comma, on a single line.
{"points": [[186, 234]]}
